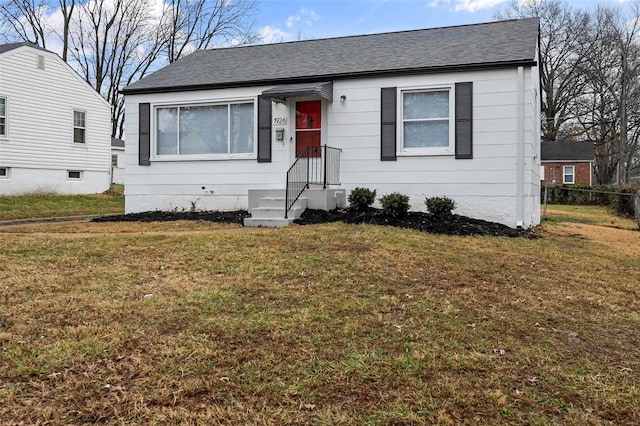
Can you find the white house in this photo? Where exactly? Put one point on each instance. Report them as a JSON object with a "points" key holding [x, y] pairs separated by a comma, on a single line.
{"points": [[55, 129], [117, 161], [451, 111]]}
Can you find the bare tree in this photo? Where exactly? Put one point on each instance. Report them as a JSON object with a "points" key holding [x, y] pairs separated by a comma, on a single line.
{"points": [[116, 42], [25, 20], [611, 69], [113, 44], [560, 53], [66, 9], [189, 25]]}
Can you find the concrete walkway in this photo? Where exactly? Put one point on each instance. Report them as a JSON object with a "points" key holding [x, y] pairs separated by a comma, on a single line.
{"points": [[83, 218]]}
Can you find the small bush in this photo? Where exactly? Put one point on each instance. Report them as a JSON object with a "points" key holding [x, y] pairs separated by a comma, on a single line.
{"points": [[394, 204], [361, 199], [440, 207], [623, 202]]}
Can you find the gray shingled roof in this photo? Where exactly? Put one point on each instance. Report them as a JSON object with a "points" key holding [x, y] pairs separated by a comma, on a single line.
{"points": [[117, 143], [475, 46], [11, 46], [567, 151]]}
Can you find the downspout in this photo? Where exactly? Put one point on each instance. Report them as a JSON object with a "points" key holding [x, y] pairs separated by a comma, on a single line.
{"points": [[520, 150]]}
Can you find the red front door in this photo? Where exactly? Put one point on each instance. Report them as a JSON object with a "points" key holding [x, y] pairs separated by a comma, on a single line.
{"points": [[308, 127]]}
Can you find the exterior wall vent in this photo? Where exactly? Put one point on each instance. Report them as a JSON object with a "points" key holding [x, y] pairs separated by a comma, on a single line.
{"points": [[40, 61]]}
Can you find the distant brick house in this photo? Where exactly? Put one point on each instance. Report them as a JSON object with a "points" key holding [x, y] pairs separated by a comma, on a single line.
{"points": [[567, 163]]}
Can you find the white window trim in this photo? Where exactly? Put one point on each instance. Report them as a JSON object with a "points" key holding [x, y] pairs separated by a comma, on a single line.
{"points": [[78, 179], [573, 175], [5, 135], [73, 127], [7, 171], [427, 151], [197, 157]]}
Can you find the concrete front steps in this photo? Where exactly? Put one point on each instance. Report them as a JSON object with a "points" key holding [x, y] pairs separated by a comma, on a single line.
{"points": [[267, 205]]}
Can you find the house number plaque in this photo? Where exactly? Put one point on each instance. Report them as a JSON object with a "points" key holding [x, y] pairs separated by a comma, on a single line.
{"points": [[280, 120]]}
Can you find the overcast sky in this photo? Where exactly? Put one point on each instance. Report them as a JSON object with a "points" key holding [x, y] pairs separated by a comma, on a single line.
{"points": [[287, 20]]}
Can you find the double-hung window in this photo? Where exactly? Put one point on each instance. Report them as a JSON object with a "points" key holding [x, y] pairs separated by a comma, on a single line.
{"points": [[427, 122], [3, 117], [569, 175], [223, 130], [79, 126]]}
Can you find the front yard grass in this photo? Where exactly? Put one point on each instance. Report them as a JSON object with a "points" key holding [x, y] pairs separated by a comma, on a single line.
{"points": [[197, 323], [54, 205]]}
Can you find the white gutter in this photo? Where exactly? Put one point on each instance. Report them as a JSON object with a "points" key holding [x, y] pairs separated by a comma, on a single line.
{"points": [[520, 150]]}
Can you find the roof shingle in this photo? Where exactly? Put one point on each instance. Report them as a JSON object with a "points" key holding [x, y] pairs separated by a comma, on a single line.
{"points": [[567, 151], [10, 46], [468, 46]]}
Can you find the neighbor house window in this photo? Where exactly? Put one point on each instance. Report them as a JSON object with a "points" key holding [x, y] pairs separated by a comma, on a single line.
{"points": [[74, 175], [3, 116], [427, 121], [114, 160], [217, 129], [568, 174], [79, 126], [4, 173]]}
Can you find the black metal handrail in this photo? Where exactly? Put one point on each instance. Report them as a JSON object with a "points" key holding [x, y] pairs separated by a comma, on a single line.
{"points": [[315, 165], [331, 166]]}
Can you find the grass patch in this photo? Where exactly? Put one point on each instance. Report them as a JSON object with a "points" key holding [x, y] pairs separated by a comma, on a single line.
{"points": [[592, 215], [53, 205], [193, 323]]}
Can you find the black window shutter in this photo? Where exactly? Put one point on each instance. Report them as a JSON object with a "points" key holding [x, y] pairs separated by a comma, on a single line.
{"points": [[264, 129], [388, 124], [464, 120], [144, 134]]}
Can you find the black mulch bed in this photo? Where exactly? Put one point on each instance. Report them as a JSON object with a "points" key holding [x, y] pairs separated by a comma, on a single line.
{"points": [[457, 225], [160, 216]]}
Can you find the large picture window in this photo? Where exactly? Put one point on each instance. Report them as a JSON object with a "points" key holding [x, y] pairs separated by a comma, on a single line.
{"points": [[219, 129], [426, 121]]}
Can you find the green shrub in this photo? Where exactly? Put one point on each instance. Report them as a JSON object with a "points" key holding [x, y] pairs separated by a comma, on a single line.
{"points": [[440, 207], [623, 203], [619, 200], [361, 199], [394, 204]]}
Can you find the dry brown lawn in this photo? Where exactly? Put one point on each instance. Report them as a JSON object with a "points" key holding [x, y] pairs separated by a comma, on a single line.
{"points": [[195, 323]]}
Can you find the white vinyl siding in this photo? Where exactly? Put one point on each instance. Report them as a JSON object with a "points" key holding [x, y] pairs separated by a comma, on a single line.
{"points": [[39, 132], [215, 131]]}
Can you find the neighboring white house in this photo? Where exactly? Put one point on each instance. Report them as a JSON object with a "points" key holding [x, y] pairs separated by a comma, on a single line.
{"points": [[117, 161], [55, 129], [451, 111]]}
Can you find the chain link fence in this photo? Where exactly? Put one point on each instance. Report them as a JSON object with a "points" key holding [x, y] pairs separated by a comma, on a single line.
{"points": [[603, 206]]}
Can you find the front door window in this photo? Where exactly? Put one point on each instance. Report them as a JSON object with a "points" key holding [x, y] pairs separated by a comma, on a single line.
{"points": [[308, 127]]}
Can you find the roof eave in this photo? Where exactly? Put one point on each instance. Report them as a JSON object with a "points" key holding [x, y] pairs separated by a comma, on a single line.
{"points": [[331, 77]]}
